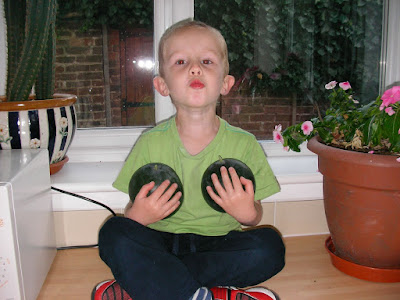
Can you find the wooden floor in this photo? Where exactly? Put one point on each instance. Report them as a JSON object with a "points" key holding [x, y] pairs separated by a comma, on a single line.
{"points": [[308, 275]]}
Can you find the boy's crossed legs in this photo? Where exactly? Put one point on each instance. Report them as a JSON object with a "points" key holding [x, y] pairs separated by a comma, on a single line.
{"points": [[157, 265]]}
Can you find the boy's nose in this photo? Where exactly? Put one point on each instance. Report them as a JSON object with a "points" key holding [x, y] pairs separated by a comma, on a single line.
{"points": [[195, 70]]}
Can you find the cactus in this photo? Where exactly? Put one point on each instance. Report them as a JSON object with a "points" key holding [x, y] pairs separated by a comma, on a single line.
{"points": [[15, 16], [45, 81], [31, 48]]}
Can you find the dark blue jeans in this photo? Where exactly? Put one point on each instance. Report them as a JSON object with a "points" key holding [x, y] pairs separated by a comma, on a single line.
{"points": [[150, 264]]}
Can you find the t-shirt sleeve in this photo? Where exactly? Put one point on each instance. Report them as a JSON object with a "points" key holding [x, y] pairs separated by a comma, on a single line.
{"points": [[266, 182], [136, 159]]}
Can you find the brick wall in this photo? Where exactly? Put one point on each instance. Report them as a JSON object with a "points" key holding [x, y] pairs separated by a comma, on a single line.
{"points": [[259, 115], [80, 71]]}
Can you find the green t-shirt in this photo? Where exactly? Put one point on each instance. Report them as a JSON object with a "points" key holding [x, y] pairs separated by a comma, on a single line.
{"points": [[162, 144]]}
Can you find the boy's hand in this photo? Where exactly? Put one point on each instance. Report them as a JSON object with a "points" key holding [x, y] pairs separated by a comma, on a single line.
{"points": [[235, 200], [147, 210]]}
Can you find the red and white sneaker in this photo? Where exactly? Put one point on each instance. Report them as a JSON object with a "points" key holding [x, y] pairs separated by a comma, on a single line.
{"points": [[109, 290], [231, 293]]}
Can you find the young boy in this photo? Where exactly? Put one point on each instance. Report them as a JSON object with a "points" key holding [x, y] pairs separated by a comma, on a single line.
{"points": [[198, 250]]}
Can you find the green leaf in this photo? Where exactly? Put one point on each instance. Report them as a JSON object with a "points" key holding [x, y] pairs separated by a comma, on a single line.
{"points": [[324, 134], [293, 145], [393, 127]]}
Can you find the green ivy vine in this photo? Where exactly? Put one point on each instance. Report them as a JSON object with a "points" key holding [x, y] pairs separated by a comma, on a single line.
{"points": [[335, 39], [115, 14]]}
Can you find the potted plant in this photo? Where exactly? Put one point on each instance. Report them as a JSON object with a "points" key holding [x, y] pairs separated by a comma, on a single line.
{"points": [[358, 148], [45, 119]]}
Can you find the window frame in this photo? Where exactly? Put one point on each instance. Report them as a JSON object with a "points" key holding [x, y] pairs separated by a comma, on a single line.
{"points": [[106, 141]]}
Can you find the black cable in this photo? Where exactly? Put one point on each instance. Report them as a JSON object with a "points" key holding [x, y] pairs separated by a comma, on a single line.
{"points": [[86, 199], [77, 247]]}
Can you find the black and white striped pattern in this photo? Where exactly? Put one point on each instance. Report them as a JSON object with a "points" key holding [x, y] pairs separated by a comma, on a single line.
{"points": [[51, 128]]}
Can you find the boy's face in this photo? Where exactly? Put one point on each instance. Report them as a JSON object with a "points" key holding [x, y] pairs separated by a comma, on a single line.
{"points": [[193, 69]]}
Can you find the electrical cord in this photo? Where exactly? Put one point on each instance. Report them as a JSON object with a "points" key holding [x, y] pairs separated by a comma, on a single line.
{"points": [[77, 247], [86, 199]]}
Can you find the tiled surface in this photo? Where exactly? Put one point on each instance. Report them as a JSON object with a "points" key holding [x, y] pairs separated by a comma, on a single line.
{"points": [[301, 218], [268, 213], [290, 218], [78, 227]]}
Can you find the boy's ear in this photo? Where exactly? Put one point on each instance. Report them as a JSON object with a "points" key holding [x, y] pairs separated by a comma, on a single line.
{"points": [[160, 86], [228, 83]]}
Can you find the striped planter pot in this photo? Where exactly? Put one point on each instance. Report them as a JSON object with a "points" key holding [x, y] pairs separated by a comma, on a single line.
{"points": [[48, 124]]}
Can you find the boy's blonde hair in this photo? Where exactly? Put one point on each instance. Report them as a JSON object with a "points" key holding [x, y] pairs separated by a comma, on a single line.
{"points": [[187, 24]]}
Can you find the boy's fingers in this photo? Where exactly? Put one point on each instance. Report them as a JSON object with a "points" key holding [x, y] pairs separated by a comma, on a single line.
{"points": [[226, 179], [172, 204], [211, 192], [144, 191], [248, 185], [217, 186], [235, 178], [214, 196], [159, 191], [166, 196]]}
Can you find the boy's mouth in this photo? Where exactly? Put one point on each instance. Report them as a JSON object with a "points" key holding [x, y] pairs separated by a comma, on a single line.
{"points": [[196, 84]]}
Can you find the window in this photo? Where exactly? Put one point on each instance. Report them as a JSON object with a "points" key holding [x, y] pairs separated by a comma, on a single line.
{"points": [[110, 67], [170, 11], [105, 57], [283, 52]]}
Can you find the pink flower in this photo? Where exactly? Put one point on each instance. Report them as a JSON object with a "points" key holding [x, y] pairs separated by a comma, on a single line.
{"points": [[278, 127], [331, 85], [398, 131], [345, 85], [391, 96], [277, 135], [371, 152], [390, 111], [286, 148], [307, 127], [398, 159]]}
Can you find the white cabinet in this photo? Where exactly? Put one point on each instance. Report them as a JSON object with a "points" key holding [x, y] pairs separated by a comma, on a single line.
{"points": [[27, 239]]}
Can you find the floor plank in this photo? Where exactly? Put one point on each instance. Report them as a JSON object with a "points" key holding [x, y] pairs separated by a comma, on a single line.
{"points": [[308, 275]]}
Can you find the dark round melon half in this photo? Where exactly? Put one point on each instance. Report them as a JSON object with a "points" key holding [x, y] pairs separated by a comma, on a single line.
{"points": [[157, 172], [241, 169]]}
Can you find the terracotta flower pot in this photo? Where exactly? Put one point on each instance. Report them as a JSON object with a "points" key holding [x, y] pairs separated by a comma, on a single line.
{"points": [[362, 205], [49, 124]]}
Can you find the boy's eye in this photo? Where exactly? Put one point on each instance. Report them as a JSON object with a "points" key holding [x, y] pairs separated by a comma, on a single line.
{"points": [[206, 62], [180, 62]]}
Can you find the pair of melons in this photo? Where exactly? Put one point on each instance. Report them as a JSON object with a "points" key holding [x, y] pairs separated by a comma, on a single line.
{"points": [[159, 172]]}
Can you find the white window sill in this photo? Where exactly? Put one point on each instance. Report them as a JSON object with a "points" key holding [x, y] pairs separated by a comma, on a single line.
{"points": [[92, 169]]}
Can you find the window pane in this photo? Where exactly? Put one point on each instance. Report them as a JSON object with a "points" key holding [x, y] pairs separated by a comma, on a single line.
{"points": [[105, 57], [283, 52]]}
